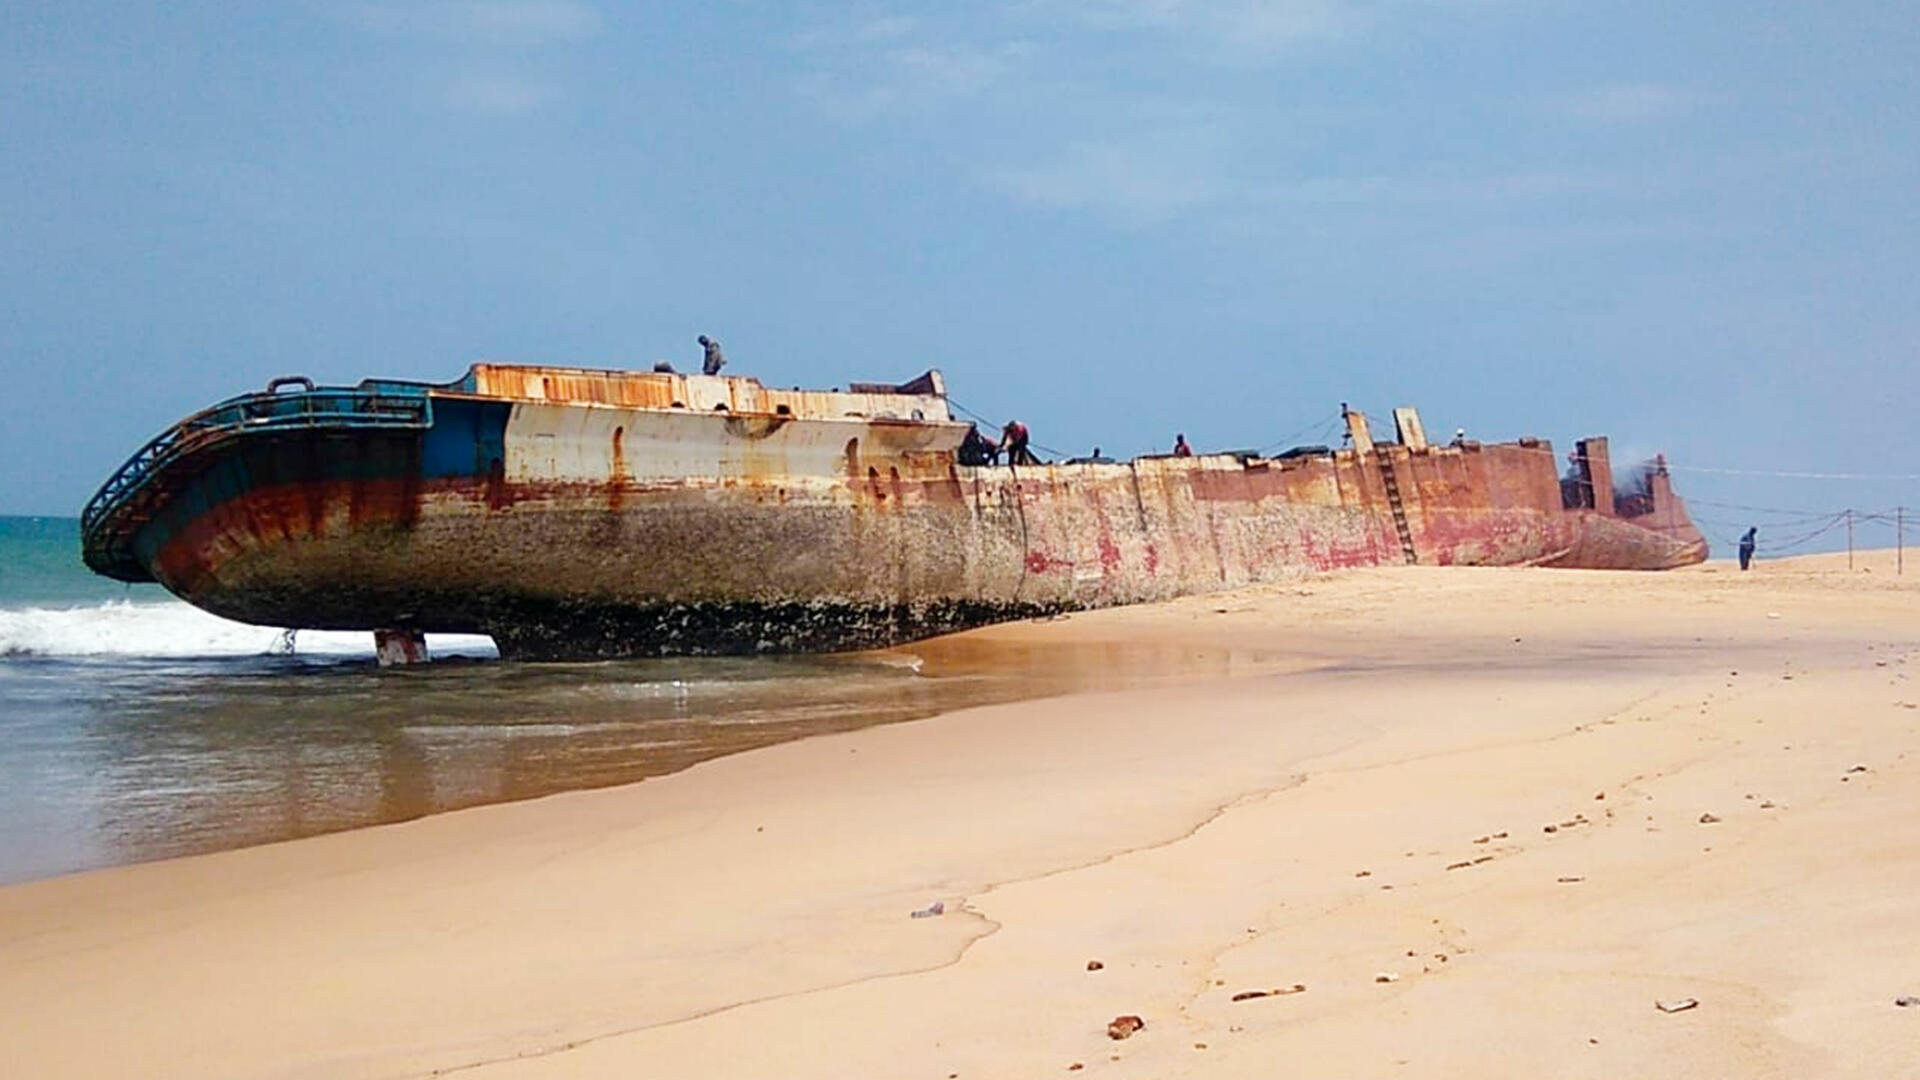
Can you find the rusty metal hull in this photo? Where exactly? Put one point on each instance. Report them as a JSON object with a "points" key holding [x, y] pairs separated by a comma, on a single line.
{"points": [[572, 530]]}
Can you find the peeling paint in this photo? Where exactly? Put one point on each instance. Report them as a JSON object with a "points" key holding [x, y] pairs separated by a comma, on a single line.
{"points": [[612, 528]]}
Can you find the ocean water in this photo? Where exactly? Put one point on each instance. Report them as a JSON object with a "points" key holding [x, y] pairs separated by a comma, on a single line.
{"points": [[134, 726]]}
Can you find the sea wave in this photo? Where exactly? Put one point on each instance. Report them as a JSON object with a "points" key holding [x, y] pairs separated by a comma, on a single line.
{"points": [[172, 629]]}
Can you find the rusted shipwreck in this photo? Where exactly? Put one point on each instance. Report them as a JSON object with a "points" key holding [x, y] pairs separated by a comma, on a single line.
{"points": [[575, 513]]}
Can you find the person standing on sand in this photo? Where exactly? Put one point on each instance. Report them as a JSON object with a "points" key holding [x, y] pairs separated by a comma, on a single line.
{"points": [[714, 360], [1747, 544]]}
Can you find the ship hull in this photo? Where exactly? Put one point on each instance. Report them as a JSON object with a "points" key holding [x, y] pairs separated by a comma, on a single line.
{"points": [[572, 532]]}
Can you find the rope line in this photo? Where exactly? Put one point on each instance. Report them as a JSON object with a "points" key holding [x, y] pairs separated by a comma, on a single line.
{"points": [[1780, 512], [1794, 475], [1672, 467], [1798, 534], [1802, 526], [1320, 429]]}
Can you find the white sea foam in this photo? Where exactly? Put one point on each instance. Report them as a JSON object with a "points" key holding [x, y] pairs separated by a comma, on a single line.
{"points": [[173, 629]]}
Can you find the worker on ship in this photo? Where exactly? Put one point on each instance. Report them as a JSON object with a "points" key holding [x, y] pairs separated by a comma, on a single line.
{"points": [[977, 449], [1013, 442], [1180, 447], [714, 360]]}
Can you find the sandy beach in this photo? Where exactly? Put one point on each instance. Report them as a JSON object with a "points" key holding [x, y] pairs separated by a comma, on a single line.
{"points": [[1470, 823]]}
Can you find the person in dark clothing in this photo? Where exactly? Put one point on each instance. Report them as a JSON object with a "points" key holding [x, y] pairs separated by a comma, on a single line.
{"points": [[1180, 447], [1747, 543], [714, 360], [975, 449], [1013, 440]]}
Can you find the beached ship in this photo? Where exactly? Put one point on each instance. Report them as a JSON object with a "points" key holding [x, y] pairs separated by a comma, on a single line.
{"points": [[575, 513]]}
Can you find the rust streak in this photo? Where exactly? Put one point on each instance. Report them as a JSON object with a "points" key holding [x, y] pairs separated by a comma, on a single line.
{"points": [[617, 476]]}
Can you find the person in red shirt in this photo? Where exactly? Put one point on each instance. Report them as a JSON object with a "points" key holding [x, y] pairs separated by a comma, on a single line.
{"points": [[1013, 440], [1180, 447]]}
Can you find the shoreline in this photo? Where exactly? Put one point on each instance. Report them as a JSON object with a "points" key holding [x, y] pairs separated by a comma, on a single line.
{"points": [[1200, 839]]}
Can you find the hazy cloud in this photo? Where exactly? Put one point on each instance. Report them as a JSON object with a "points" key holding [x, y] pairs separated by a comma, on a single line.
{"points": [[1238, 24], [893, 64], [1412, 190], [879, 28], [500, 95], [490, 22], [1238, 33], [480, 42], [1179, 174], [1107, 148], [1140, 180], [1628, 102], [954, 71]]}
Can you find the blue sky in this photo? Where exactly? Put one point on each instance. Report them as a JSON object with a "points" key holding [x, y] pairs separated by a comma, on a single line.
{"points": [[1690, 226]]}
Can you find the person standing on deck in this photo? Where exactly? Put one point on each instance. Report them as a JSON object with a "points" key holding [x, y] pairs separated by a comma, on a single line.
{"points": [[1180, 447], [714, 360], [1013, 440], [1747, 544]]}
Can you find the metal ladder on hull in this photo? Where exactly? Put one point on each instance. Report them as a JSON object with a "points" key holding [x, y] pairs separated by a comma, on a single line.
{"points": [[1392, 482]]}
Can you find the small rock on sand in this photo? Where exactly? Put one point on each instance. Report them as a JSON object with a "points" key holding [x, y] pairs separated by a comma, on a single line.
{"points": [[1709, 819], [1674, 1005], [1906, 1002], [928, 912], [1386, 977], [1121, 1027], [1094, 965]]}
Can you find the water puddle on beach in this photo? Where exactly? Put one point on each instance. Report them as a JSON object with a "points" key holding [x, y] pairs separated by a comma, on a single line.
{"points": [[122, 760]]}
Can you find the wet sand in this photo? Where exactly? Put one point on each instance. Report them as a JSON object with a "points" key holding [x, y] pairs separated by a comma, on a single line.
{"points": [[1487, 818], [122, 760]]}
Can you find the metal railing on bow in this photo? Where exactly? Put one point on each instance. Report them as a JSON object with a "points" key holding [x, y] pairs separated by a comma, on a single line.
{"points": [[336, 408]]}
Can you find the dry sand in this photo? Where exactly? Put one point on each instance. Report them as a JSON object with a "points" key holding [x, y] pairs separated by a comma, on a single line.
{"points": [[1491, 818]]}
